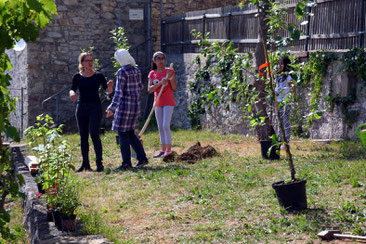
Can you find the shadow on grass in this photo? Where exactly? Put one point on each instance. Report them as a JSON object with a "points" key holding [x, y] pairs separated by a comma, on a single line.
{"points": [[148, 168]]}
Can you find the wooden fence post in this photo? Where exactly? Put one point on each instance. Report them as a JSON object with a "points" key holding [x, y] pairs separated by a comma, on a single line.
{"points": [[203, 25], [182, 31], [162, 35], [308, 31], [229, 27], [362, 24]]}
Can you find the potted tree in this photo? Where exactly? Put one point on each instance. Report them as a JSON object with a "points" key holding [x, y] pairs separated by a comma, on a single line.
{"points": [[292, 194], [257, 98]]}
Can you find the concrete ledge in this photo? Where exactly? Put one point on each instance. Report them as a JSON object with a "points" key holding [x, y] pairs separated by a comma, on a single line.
{"points": [[35, 213]]}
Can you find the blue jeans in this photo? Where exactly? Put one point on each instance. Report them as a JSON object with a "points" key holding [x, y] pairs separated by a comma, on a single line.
{"points": [[127, 139], [88, 117]]}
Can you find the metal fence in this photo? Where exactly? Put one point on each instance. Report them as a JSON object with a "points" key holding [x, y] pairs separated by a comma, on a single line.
{"points": [[335, 24]]}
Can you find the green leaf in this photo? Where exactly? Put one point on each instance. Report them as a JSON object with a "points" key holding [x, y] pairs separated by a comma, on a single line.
{"points": [[49, 5], [299, 10], [12, 132], [21, 180], [295, 35], [42, 20]]}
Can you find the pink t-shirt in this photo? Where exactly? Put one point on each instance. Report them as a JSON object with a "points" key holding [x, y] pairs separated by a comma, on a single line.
{"points": [[166, 98]]}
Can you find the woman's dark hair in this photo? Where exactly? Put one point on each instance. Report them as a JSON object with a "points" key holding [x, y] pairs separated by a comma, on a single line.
{"points": [[153, 66], [286, 63]]}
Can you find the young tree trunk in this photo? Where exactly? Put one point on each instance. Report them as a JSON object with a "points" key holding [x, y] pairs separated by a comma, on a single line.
{"points": [[265, 131], [263, 31]]}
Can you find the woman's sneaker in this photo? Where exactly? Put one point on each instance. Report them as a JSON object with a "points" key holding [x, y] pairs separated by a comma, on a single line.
{"points": [[159, 155]]}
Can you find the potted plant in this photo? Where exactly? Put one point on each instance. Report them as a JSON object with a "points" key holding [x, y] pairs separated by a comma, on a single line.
{"points": [[291, 194], [64, 204], [54, 158]]}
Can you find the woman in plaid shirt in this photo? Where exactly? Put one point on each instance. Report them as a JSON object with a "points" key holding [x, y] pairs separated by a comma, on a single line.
{"points": [[126, 108]]}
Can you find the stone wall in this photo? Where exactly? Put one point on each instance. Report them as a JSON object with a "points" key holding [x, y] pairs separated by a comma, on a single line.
{"points": [[18, 88], [221, 119], [52, 60], [336, 123]]}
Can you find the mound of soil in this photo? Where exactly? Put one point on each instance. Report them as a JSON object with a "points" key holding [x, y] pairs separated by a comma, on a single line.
{"points": [[193, 154], [170, 157]]}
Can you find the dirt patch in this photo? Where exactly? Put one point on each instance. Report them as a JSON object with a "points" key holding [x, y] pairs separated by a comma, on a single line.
{"points": [[193, 154]]}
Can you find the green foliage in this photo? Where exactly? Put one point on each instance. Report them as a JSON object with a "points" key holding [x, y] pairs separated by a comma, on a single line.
{"points": [[219, 59], [66, 200], [18, 19], [54, 164], [120, 40], [354, 62], [311, 75]]}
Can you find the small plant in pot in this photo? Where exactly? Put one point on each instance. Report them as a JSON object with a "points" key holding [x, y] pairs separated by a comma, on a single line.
{"points": [[64, 204]]}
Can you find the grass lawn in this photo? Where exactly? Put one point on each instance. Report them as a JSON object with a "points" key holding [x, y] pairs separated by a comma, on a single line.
{"points": [[224, 199]]}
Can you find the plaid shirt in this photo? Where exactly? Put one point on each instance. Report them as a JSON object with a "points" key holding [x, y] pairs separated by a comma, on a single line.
{"points": [[126, 100]]}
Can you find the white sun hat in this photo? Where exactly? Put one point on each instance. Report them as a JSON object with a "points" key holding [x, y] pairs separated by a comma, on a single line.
{"points": [[123, 57]]}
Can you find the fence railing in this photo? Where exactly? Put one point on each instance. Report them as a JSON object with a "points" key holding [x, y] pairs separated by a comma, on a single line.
{"points": [[335, 24]]}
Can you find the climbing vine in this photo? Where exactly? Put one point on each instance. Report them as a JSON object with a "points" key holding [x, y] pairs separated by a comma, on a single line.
{"points": [[219, 59], [311, 76]]}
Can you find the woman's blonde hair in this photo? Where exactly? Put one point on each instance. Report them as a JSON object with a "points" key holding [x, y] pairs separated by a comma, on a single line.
{"points": [[82, 58]]}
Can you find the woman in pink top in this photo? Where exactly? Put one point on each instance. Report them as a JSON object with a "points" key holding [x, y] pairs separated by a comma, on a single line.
{"points": [[158, 76]]}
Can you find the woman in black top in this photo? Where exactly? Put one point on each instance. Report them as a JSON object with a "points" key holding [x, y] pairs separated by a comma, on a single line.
{"points": [[89, 109]]}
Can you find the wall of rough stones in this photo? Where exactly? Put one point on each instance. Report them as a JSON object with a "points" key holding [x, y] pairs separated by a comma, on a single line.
{"points": [[52, 59], [18, 88], [334, 124], [221, 119]]}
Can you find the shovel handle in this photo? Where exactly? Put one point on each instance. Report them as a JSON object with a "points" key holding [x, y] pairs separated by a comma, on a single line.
{"points": [[343, 236]]}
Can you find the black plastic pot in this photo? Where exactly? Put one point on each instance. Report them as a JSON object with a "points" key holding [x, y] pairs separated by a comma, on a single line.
{"points": [[40, 188], [292, 196], [57, 219], [68, 223], [265, 146]]}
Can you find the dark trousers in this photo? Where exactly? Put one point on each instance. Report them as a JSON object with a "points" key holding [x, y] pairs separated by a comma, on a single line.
{"points": [[127, 139], [88, 117]]}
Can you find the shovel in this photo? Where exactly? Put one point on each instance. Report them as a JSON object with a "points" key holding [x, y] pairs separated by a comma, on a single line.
{"points": [[332, 234]]}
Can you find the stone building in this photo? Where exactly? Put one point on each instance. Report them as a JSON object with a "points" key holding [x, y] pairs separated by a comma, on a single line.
{"points": [[46, 66]]}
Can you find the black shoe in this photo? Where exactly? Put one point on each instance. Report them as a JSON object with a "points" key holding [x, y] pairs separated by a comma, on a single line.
{"points": [[84, 168], [123, 168], [159, 155], [140, 164], [100, 168]]}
